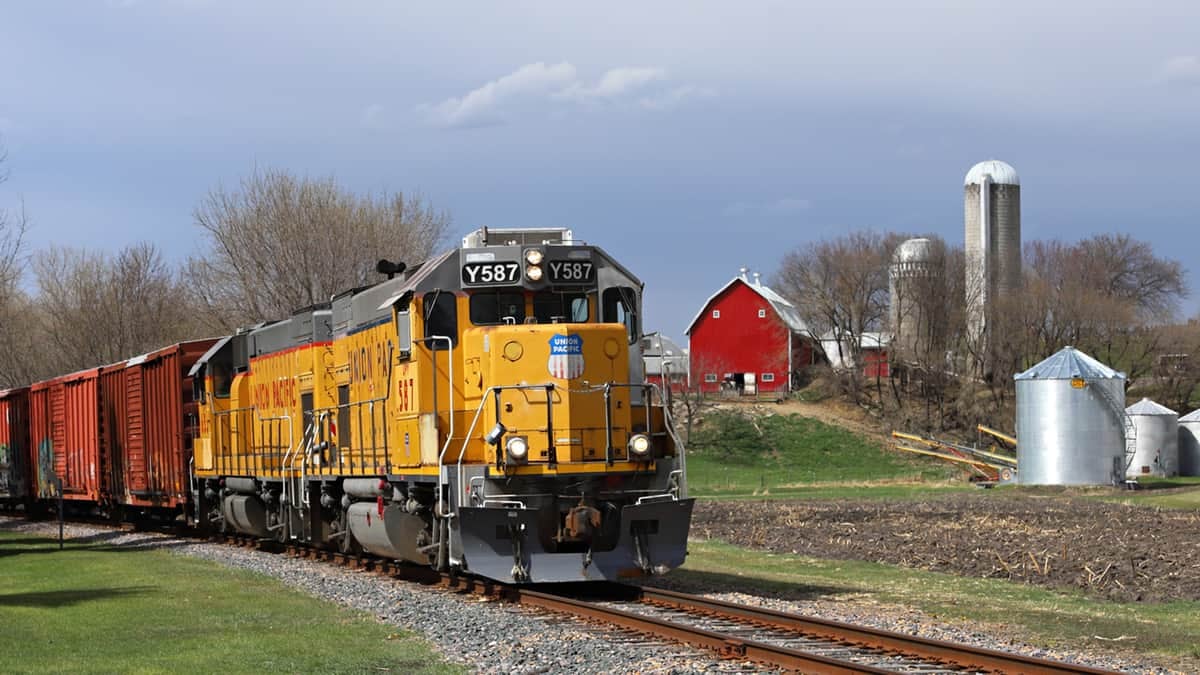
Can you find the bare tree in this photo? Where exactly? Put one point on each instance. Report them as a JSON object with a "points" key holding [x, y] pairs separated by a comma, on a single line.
{"points": [[1108, 295], [280, 242], [840, 288], [97, 308], [13, 301]]}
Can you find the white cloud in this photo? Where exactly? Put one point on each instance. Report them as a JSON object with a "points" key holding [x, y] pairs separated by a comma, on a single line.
{"points": [[614, 83], [1183, 70], [779, 207], [373, 117], [673, 97], [478, 107], [538, 82]]}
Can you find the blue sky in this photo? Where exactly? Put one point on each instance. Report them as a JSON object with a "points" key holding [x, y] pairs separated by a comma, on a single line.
{"points": [[688, 138]]}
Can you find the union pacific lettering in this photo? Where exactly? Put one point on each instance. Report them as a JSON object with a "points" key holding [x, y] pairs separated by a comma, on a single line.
{"points": [[275, 394], [370, 361]]}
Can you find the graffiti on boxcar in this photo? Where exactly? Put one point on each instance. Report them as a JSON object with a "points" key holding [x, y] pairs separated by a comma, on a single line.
{"points": [[45, 477], [5, 485]]}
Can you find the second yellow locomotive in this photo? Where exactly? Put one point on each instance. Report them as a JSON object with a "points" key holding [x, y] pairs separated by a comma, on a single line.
{"points": [[483, 411]]}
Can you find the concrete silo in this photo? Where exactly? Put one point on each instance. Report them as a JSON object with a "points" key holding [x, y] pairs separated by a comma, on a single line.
{"points": [[992, 213], [1157, 447], [1071, 422], [1189, 444], [911, 267]]}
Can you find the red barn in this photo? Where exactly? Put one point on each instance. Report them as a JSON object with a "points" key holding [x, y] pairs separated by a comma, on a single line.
{"points": [[748, 338]]}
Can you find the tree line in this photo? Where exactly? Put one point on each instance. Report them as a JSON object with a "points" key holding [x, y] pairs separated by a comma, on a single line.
{"points": [[1108, 295], [274, 243]]}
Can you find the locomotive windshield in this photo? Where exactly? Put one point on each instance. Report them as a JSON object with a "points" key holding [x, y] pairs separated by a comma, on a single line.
{"points": [[560, 307], [493, 308]]}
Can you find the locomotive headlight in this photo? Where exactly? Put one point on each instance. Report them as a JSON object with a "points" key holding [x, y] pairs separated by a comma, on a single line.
{"points": [[534, 256], [517, 448], [533, 272], [639, 446]]}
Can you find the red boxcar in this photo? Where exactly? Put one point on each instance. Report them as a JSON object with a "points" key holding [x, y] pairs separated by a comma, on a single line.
{"points": [[15, 456], [150, 419], [65, 428]]}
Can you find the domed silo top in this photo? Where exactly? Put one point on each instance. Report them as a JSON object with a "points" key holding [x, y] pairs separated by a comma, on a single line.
{"points": [[1150, 408], [1069, 364], [1193, 416], [913, 250], [1001, 172]]}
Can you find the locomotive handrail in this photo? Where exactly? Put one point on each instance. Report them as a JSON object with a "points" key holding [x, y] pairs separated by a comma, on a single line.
{"points": [[680, 450], [327, 410], [608, 387]]}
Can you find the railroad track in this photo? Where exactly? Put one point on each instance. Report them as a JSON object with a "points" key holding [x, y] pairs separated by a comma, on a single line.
{"points": [[734, 631], [731, 631], [789, 641]]}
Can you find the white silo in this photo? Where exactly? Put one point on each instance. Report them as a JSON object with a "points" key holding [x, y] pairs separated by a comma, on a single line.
{"points": [[1157, 447], [1189, 444], [1071, 423], [908, 305], [992, 214]]}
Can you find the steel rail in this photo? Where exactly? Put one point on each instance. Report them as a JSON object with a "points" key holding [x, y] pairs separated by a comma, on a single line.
{"points": [[724, 645], [965, 656]]}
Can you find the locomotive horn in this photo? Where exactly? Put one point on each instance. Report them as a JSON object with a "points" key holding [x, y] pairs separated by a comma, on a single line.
{"points": [[391, 269]]}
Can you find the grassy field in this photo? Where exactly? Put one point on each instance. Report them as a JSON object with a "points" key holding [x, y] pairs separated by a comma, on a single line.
{"points": [[793, 456], [92, 608], [1169, 493], [1045, 617]]}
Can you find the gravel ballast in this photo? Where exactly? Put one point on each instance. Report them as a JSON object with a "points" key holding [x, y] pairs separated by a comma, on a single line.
{"points": [[495, 637]]}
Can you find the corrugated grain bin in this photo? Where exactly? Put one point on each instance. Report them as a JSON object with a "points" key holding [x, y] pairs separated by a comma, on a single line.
{"points": [[65, 428], [1157, 452], [159, 418], [15, 458], [1070, 422], [1189, 444]]}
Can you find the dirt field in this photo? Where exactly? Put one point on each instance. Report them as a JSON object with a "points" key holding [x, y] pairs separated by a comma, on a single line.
{"points": [[1059, 541]]}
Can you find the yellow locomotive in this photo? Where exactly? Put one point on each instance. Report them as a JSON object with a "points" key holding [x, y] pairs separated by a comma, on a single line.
{"points": [[483, 411]]}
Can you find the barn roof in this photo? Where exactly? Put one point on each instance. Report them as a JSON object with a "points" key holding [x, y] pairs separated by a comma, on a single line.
{"points": [[784, 309]]}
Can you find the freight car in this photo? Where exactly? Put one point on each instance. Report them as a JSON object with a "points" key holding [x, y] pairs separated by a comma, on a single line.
{"points": [[117, 440], [483, 411]]}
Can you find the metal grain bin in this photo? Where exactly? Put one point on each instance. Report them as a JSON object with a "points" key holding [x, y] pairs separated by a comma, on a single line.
{"points": [[1189, 444], [1070, 422], [1157, 448]]}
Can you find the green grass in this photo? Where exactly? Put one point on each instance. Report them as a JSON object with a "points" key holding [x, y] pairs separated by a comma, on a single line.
{"points": [[734, 456], [1050, 618], [95, 608], [1164, 493]]}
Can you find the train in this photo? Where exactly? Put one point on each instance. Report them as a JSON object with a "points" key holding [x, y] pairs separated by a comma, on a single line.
{"points": [[482, 412]]}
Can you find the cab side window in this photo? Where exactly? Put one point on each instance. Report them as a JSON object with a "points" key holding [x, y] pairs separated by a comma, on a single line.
{"points": [[440, 310], [619, 305]]}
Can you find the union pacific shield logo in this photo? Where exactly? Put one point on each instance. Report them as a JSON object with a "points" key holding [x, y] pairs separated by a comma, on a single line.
{"points": [[566, 356]]}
